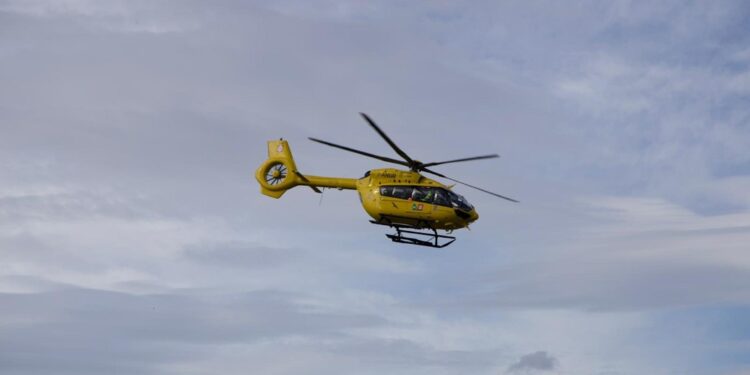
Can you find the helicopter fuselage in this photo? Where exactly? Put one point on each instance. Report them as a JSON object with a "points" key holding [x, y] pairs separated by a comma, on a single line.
{"points": [[393, 196]]}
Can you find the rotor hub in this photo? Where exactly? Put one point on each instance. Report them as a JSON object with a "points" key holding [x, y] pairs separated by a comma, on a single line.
{"points": [[416, 165]]}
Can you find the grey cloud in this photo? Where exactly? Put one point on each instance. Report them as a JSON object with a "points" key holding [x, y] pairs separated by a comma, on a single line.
{"points": [[84, 331], [89, 331], [537, 361], [70, 205], [600, 285], [239, 254], [399, 352]]}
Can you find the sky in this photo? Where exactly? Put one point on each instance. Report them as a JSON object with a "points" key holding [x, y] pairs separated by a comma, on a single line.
{"points": [[134, 239]]}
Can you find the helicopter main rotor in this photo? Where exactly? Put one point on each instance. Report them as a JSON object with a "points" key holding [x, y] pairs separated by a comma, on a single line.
{"points": [[414, 165]]}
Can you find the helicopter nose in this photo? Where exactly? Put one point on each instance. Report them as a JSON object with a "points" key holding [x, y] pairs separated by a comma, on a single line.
{"points": [[474, 216]]}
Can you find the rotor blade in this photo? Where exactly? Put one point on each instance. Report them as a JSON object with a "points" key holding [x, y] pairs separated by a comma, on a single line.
{"points": [[383, 158], [464, 159], [390, 142], [315, 189], [471, 186]]}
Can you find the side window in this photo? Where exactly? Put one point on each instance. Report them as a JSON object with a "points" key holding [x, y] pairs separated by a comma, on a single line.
{"points": [[386, 191], [425, 194], [419, 194], [402, 192], [441, 198]]}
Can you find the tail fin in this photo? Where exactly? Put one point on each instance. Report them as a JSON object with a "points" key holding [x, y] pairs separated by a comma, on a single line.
{"points": [[279, 172]]}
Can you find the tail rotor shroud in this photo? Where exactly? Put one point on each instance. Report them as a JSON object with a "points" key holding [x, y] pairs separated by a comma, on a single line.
{"points": [[276, 173]]}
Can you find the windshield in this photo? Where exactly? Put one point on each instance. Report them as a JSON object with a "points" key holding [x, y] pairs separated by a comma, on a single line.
{"points": [[460, 202]]}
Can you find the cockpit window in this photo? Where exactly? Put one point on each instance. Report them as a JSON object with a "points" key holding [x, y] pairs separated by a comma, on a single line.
{"points": [[460, 202], [441, 198]]}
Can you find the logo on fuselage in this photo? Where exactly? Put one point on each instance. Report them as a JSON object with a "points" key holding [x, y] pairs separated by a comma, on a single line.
{"points": [[417, 206]]}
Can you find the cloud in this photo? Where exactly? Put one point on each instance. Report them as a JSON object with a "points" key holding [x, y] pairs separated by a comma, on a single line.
{"points": [[130, 221], [537, 361], [90, 331], [113, 16], [641, 254]]}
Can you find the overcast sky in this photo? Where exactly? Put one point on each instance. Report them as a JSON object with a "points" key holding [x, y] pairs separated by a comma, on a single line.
{"points": [[134, 239]]}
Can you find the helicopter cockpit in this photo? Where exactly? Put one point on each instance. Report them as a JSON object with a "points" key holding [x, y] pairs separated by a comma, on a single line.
{"points": [[427, 194]]}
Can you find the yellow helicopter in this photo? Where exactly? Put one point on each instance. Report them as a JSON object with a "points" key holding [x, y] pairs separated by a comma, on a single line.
{"points": [[405, 200]]}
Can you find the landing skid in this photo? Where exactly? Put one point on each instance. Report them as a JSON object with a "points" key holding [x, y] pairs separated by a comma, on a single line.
{"points": [[429, 239]]}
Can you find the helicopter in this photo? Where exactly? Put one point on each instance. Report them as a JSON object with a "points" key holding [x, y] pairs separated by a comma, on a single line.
{"points": [[405, 200]]}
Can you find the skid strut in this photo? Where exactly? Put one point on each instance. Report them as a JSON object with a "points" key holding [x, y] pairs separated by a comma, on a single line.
{"points": [[429, 239]]}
